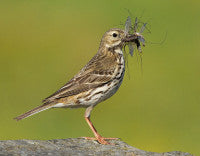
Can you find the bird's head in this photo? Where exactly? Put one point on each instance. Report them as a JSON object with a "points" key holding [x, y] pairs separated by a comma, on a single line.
{"points": [[116, 37]]}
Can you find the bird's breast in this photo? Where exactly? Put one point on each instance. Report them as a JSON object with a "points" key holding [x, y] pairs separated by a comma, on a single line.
{"points": [[109, 89]]}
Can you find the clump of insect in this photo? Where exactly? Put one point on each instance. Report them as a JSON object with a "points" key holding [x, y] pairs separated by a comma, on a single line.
{"points": [[137, 39]]}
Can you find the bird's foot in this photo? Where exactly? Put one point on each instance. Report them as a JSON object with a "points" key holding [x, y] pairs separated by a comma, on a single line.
{"points": [[102, 140]]}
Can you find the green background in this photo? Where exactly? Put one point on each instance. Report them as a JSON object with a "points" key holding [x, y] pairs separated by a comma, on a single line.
{"points": [[44, 43]]}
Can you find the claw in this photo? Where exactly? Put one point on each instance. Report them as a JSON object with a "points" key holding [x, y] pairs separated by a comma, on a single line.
{"points": [[101, 140]]}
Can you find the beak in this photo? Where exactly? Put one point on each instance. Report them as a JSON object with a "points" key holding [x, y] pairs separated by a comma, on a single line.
{"points": [[129, 38]]}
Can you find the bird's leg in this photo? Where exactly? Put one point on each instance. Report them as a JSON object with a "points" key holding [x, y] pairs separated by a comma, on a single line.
{"points": [[98, 137]]}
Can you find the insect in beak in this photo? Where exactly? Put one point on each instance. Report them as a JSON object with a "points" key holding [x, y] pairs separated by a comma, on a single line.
{"points": [[130, 38]]}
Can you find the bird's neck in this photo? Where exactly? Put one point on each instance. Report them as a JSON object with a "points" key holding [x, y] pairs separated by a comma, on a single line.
{"points": [[112, 49]]}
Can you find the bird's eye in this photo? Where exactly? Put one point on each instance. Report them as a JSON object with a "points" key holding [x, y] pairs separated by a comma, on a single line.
{"points": [[114, 35]]}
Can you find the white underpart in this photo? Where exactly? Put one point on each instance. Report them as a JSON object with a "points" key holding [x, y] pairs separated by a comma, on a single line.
{"points": [[59, 105]]}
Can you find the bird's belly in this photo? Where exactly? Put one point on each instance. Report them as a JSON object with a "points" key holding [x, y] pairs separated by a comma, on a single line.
{"points": [[102, 93], [92, 97]]}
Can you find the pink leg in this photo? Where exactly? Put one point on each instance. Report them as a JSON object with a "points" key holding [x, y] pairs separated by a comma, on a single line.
{"points": [[98, 137]]}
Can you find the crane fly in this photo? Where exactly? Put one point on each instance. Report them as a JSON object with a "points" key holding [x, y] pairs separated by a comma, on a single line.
{"points": [[138, 39]]}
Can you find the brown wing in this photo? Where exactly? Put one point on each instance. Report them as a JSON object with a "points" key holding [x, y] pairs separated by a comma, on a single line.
{"points": [[97, 72]]}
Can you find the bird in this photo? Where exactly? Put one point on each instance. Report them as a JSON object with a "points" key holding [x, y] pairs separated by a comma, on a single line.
{"points": [[97, 81]]}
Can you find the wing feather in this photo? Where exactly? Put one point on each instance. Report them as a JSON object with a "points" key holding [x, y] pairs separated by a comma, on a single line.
{"points": [[97, 72]]}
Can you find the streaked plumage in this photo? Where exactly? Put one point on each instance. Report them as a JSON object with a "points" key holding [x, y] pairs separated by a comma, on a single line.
{"points": [[96, 82]]}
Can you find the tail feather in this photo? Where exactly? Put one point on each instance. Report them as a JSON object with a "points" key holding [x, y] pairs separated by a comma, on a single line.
{"points": [[33, 111]]}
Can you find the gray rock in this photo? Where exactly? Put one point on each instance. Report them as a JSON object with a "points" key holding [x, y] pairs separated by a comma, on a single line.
{"points": [[74, 147]]}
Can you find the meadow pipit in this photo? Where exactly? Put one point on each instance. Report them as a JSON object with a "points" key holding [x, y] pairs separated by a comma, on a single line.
{"points": [[95, 82]]}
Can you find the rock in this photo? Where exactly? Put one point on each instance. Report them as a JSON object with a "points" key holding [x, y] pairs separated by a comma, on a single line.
{"points": [[74, 147]]}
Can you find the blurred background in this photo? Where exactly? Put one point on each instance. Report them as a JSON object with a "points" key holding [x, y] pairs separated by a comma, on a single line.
{"points": [[44, 43]]}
